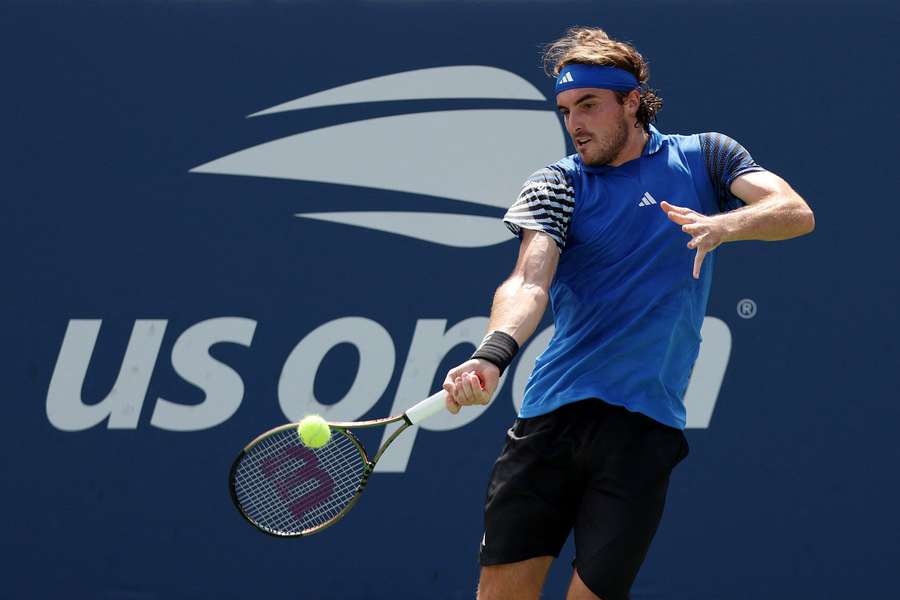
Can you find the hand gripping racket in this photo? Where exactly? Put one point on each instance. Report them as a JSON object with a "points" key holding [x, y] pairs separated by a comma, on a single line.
{"points": [[285, 489]]}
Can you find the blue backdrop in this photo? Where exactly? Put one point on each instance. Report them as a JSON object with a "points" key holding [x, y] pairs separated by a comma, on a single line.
{"points": [[148, 218]]}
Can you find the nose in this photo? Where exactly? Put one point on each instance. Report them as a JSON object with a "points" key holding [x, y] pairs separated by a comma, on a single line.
{"points": [[573, 125]]}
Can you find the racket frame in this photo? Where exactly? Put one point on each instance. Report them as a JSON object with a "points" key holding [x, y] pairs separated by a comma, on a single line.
{"points": [[412, 416], [338, 428]]}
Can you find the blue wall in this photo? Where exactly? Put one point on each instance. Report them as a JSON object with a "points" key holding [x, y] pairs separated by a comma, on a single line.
{"points": [[791, 489]]}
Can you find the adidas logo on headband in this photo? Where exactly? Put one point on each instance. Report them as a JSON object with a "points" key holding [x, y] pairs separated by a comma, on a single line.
{"points": [[595, 76]]}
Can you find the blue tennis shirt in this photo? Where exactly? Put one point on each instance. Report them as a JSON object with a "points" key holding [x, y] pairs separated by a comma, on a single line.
{"points": [[627, 310]]}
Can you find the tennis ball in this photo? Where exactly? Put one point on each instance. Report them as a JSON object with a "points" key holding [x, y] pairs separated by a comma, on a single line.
{"points": [[314, 432]]}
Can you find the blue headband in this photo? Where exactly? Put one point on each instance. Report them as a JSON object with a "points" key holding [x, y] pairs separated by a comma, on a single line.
{"points": [[576, 75]]}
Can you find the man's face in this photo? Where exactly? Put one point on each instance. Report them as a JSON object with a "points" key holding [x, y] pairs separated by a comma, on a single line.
{"points": [[596, 122]]}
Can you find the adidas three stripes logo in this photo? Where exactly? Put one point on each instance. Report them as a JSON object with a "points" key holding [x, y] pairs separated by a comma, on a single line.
{"points": [[647, 200]]}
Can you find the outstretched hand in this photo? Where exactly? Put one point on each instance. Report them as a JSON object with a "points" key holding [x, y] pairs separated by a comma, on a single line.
{"points": [[472, 382], [706, 232]]}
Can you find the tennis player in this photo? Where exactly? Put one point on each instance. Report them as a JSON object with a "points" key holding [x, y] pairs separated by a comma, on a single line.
{"points": [[621, 238]]}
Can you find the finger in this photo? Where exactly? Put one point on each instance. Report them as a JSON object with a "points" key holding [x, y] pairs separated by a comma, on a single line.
{"points": [[692, 228], [477, 380], [450, 388], [698, 261], [450, 402], [667, 207], [467, 394], [696, 240], [471, 383], [452, 374], [478, 391], [682, 218], [460, 396]]}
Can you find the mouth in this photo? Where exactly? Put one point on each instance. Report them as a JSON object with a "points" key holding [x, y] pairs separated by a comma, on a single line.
{"points": [[582, 142]]}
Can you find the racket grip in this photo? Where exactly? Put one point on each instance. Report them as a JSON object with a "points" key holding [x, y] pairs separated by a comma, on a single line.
{"points": [[427, 408]]}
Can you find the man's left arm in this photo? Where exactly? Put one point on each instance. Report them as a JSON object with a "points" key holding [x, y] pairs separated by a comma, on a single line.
{"points": [[773, 211]]}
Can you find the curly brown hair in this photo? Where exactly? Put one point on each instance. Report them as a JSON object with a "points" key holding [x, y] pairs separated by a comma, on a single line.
{"points": [[592, 46]]}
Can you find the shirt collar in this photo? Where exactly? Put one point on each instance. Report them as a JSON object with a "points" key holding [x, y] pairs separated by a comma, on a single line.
{"points": [[654, 143]]}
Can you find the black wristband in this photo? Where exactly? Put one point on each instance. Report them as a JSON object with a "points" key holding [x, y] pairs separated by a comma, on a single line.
{"points": [[498, 348]]}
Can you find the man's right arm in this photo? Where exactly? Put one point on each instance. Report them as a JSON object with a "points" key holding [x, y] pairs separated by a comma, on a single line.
{"points": [[518, 306]]}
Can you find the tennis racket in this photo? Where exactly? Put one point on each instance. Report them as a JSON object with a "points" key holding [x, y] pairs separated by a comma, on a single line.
{"points": [[285, 489]]}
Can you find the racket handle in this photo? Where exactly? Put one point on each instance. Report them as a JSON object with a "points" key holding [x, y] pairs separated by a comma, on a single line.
{"points": [[427, 408]]}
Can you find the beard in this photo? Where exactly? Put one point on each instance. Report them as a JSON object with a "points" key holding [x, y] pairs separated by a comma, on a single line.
{"points": [[608, 147]]}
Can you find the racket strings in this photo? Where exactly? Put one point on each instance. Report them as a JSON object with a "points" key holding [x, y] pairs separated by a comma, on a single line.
{"points": [[287, 488]]}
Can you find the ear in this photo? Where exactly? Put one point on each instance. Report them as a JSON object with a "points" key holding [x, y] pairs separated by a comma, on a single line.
{"points": [[632, 102]]}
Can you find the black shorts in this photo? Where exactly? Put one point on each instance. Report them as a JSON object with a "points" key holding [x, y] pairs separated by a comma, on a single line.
{"points": [[591, 466]]}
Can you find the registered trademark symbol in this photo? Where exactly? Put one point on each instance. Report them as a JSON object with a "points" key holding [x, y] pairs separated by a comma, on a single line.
{"points": [[746, 308]]}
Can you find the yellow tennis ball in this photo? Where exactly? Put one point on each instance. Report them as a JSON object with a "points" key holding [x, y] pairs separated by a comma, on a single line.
{"points": [[314, 432]]}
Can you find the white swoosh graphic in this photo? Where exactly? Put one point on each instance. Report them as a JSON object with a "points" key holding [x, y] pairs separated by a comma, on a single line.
{"points": [[458, 231], [477, 156], [421, 84]]}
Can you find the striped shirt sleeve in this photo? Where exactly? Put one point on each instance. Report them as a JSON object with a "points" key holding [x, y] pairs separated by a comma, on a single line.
{"points": [[544, 204], [726, 160]]}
